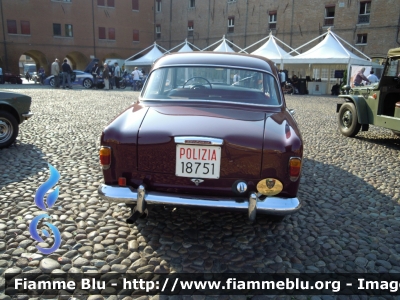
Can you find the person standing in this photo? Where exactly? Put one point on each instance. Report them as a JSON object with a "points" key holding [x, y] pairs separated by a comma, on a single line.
{"points": [[55, 71], [95, 73], [106, 77], [360, 77], [282, 76], [136, 78], [66, 69], [111, 74], [236, 78], [1, 75], [117, 75], [42, 74], [372, 77]]}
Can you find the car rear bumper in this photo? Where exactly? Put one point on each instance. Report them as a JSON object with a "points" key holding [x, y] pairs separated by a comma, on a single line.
{"points": [[141, 197]]}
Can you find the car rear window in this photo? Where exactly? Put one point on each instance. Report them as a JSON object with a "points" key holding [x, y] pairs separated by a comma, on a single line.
{"points": [[212, 84]]}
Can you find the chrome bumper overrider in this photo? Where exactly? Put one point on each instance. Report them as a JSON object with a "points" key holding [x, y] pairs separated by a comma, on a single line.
{"points": [[270, 205], [27, 115]]}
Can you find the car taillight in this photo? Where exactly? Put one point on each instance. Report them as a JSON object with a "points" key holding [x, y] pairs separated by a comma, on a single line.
{"points": [[122, 181], [105, 157], [294, 168]]}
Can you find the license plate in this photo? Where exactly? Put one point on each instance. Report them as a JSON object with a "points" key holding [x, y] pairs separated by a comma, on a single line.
{"points": [[198, 161]]}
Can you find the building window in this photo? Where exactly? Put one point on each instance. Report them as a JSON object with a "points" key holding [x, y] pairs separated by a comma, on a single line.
{"points": [[69, 30], [136, 35], [365, 12], [158, 31], [102, 33], [110, 3], [190, 28], [231, 24], [192, 3], [272, 19], [12, 26], [362, 38], [25, 27], [158, 5], [56, 29], [101, 2], [135, 4], [329, 15], [111, 33]]}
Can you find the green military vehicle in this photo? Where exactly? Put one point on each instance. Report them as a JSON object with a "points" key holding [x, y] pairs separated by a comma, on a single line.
{"points": [[377, 104]]}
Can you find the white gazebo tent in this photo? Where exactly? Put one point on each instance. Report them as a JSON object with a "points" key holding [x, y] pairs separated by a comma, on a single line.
{"points": [[272, 50], [322, 60], [148, 59], [186, 47], [224, 46]]}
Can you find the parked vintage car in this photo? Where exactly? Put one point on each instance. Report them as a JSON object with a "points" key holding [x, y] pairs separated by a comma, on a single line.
{"points": [[9, 77], [377, 104], [14, 109], [78, 78], [197, 140]]}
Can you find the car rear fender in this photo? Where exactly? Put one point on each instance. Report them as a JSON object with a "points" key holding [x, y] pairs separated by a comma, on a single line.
{"points": [[11, 110], [360, 104]]}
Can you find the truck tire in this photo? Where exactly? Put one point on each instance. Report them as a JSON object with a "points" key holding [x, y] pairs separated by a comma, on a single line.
{"points": [[347, 119]]}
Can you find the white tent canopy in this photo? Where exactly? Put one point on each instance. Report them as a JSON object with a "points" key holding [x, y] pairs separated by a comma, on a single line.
{"points": [[328, 51], [224, 46], [186, 47], [271, 49], [148, 59]]}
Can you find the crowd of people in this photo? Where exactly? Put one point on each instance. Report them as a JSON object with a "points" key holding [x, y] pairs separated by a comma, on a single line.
{"points": [[107, 76]]}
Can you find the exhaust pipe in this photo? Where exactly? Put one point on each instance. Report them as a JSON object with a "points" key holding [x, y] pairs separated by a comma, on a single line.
{"points": [[140, 209], [133, 218]]}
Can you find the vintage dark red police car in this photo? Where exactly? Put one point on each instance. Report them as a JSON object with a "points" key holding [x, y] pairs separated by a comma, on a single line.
{"points": [[210, 130]]}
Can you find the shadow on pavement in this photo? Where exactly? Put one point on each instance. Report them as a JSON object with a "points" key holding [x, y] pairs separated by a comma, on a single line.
{"points": [[21, 161], [343, 218]]}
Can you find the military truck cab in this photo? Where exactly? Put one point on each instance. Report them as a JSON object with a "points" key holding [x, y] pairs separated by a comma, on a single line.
{"points": [[377, 104]]}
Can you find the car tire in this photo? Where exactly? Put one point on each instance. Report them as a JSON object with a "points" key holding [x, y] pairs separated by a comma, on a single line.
{"points": [[13, 81], [87, 83], [52, 82], [348, 121], [8, 129]]}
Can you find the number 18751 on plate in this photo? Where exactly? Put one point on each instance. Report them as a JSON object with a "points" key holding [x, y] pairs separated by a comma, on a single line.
{"points": [[198, 161]]}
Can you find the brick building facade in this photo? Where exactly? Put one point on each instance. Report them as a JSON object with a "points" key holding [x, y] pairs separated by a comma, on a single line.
{"points": [[371, 26], [76, 29]]}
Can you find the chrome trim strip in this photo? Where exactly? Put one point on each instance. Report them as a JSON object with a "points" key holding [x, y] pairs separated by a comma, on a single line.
{"points": [[271, 205], [209, 101], [197, 140]]}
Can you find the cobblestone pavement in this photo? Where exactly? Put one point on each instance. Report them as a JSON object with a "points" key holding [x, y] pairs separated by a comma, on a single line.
{"points": [[349, 223]]}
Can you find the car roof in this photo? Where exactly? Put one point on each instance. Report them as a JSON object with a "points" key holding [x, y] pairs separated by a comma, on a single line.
{"points": [[204, 58], [394, 52]]}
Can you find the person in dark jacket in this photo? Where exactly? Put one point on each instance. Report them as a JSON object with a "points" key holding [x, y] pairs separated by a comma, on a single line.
{"points": [[95, 74], [66, 69]]}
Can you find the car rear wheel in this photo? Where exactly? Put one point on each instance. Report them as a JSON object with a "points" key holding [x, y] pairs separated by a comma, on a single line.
{"points": [[52, 82], [348, 121], [8, 129], [87, 83]]}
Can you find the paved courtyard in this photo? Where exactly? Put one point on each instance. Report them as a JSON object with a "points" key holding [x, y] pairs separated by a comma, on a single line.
{"points": [[349, 223]]}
